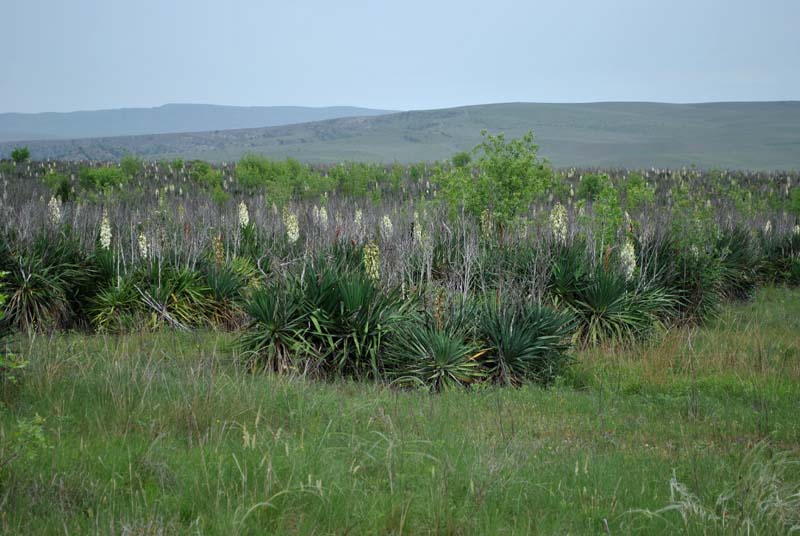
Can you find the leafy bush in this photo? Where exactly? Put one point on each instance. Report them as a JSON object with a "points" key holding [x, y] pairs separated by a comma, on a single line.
{"points": [[59, 184], [282, 180], [102, 178], [591, 185], [509, 177], [20, 155]]}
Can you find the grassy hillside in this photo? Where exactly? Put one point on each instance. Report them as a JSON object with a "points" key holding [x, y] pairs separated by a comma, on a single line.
{"points": [[732, 135], [164, 434], [169, 118]]}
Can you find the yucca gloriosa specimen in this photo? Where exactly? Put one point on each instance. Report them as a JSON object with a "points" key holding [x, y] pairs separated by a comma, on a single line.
{"points": [[607, 306], [276, 335], [528, 342], [435, 356]]}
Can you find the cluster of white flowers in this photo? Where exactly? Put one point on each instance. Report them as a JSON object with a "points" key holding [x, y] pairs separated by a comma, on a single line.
{"points": [[627, 258], [558, 223], [417, 228], [292, 226], [387, 229], [372, 261], [796, 229], [768, 227], [320, 215], [244, 215], [105, 231], [144, 249], [358, 221], [54, 208]]}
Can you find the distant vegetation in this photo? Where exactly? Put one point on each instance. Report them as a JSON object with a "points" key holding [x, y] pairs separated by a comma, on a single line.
{"points": [[755, 136]]}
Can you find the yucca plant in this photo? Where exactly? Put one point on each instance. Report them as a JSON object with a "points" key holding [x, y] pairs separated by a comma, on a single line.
{"points": [[275, 338], [527, 342], [39, 294], [608, 307], [781, 262], [177, 297], [435, 356], [351, 319], [739, 263], [226, 286], [115, 308]]}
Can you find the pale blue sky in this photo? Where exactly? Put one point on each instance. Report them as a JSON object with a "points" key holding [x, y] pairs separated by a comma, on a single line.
{"points": [[61, 55]]}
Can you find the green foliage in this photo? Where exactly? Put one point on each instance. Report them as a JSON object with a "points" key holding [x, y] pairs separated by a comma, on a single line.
{"points": [[794, 202], [609, 309], [637, 193], [102, 179], [527, 342], [43, 283], [10, 364], [461, 159], [434, 355], [283, 180], [608, 217], [59, 184], [131, 166], [20, 155], [275, 336], [591, 185], [510, 176]]}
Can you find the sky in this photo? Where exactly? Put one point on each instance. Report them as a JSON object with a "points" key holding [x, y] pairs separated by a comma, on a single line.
{"points": [[61, 55]]}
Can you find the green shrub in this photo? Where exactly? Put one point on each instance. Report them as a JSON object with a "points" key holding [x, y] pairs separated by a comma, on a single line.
{"points": [[527, 342], [435, 356], [131, 166], [510, 176], [59, 184], [608, 307], [102, 178], [591, 185], [20, 155], [275, 338]]}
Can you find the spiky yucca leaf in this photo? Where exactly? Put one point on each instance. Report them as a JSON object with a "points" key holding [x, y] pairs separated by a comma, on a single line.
{"points": [[528, 342]]}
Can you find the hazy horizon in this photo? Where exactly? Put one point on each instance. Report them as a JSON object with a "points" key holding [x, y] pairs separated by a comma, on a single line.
{"points": [[99, 55]]}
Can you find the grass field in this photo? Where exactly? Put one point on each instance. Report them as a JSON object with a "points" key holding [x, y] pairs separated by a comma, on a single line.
{"points": [[165, 434]]}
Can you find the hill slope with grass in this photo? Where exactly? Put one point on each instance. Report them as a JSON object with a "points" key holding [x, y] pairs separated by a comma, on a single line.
{"points": [[170, 118], [754, 135]]}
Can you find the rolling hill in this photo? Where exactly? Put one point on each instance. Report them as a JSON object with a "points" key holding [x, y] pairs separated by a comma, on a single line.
{"points": [[170, 118], [754, 135]]}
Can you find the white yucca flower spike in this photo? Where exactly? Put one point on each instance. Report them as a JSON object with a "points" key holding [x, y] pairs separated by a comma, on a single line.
{"points": [[797, 229], [105, 232], [292, 226], [144, 250], [54, 209], [244, 215], [372, 261], [417, 228], [358, 220], [323, 217], [387, 229], [627, 259], [768, 227], [558, 223]]}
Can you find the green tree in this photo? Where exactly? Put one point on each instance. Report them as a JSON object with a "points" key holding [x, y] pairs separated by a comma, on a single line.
{"points": [[20, 155], [508, 177]]}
